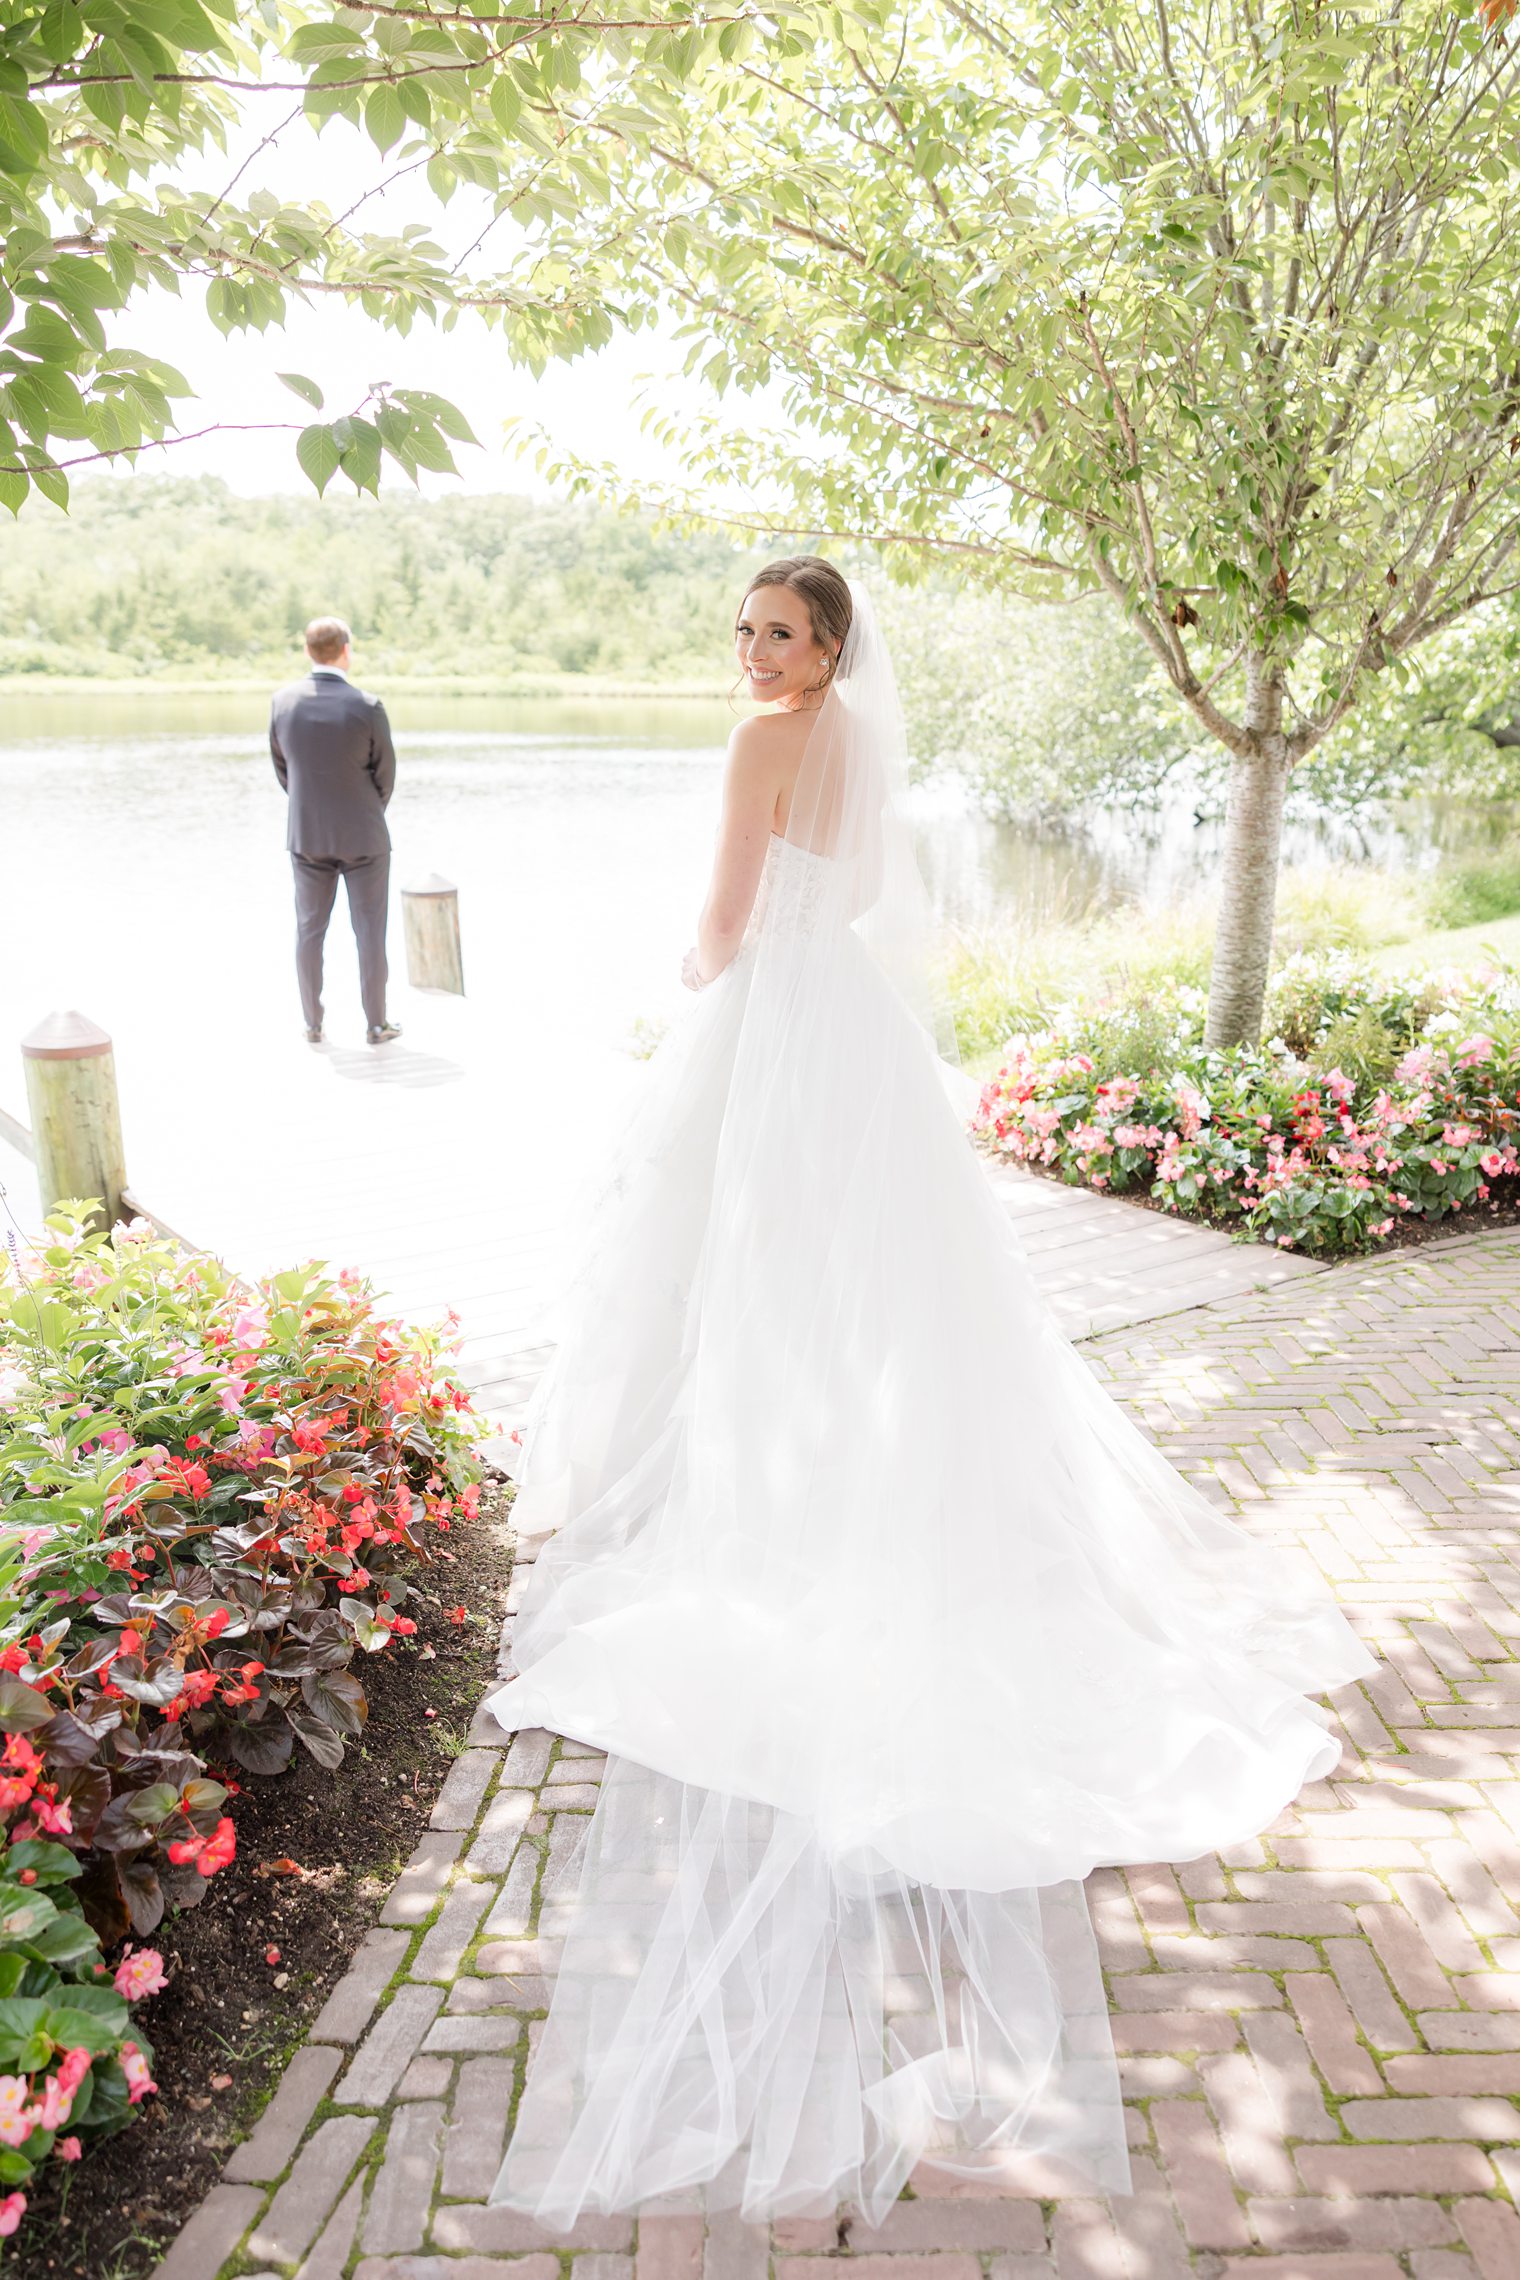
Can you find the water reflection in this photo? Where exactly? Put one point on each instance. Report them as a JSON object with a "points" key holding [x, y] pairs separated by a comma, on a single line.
{"points": [[597, 809], [984, 874]]}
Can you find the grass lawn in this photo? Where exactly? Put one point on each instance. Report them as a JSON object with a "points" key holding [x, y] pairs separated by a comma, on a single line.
{"points": [[1454, 946]]}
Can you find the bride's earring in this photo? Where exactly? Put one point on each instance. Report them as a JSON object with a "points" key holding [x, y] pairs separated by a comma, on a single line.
{"points": [[817, 687]]}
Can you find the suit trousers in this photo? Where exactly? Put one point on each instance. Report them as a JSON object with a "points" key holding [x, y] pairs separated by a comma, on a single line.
{"points": [[367, 878]]}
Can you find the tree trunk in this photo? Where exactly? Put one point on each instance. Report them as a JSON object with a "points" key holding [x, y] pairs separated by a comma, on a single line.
{"points": [[1248, 892]]}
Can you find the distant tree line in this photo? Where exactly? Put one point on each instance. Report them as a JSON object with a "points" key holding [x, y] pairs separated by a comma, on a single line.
{"points": [[1045, 711], [158, 576]]}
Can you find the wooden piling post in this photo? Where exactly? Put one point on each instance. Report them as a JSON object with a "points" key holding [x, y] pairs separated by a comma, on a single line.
{"points": [[76, 1119], [430, 912]]}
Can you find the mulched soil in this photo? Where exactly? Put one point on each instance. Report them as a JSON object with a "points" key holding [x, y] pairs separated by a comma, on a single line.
{"points": [[223, 2029], [1404, 1235]]}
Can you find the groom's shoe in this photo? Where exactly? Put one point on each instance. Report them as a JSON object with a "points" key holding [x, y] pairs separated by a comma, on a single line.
{"points": [[381, 1032], [314, 1034]]}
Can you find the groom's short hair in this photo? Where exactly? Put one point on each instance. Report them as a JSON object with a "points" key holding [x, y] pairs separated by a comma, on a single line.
{"points": [[326, 638]]}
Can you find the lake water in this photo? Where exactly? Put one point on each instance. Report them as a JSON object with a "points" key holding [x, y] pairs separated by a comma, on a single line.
{"points": [[143, 846], [143, 880]]}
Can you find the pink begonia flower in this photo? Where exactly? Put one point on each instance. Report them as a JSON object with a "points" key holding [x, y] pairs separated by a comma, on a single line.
{"points": [[140, 1974], [1415, 1066], [250, 1329], [232, 1393], [116, 1440], [15, 2112], [135, 2068], [33, 1540], [12, 2210], [54, 2107], [1492, 1163], [1475, 1049], [68, 2149], [72, 2068], [55, 1814]]}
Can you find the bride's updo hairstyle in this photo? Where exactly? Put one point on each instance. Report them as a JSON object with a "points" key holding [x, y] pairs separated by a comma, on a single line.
{"points": [[825, 593]]}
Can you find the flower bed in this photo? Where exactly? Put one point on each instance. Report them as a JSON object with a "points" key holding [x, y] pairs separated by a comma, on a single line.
{"points": [[1373, 1101], [209, 1493]]}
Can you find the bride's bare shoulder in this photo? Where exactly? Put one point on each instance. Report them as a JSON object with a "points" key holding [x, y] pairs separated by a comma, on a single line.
{"points": [[762, 728], [767, 739]]}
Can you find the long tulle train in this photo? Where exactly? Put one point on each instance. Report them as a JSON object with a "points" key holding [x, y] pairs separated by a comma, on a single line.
{"points": [[736, 2012]]}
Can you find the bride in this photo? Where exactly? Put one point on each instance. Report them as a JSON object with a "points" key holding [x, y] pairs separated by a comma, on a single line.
{"points": [[892, 1623]]}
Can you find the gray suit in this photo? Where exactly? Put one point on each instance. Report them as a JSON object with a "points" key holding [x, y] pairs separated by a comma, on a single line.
{"points": [[332, 751]]}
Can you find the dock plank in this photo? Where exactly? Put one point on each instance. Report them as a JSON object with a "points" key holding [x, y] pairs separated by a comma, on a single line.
{"points": [[456, 1177]]}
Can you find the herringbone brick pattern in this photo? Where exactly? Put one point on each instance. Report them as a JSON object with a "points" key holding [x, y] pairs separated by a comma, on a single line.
{"points": [[1320, 2031]]}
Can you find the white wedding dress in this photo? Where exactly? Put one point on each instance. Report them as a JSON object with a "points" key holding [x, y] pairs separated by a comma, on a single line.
{"points": [[891, 1621]]}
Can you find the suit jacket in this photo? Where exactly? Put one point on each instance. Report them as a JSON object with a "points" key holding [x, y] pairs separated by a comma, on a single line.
{"points": [[331, 747]]}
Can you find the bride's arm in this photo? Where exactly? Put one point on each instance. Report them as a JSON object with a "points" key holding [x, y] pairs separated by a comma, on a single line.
{"points": [[751, 782]]}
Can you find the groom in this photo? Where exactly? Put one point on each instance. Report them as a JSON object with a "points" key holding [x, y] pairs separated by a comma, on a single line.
{"points": [[332, 752]]}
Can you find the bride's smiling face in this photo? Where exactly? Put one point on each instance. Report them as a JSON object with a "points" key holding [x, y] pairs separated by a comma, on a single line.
{"points": [[779, 654]]}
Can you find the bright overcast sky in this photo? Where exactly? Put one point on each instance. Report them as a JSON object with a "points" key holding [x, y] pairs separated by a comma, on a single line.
{"points": [[589, 405]]}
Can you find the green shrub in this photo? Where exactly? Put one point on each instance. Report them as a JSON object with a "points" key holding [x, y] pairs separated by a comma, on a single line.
{"points": [[1472, 892], [1309, 995], [1345, 906], [993, 992], [1144, 1030], [1001, 984], [1358, 1043]]}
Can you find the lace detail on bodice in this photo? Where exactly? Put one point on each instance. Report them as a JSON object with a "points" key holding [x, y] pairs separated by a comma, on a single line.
{"points": [[794, 888]]}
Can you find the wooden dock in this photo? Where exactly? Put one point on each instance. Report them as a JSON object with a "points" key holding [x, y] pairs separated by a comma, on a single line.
{"points": [[453, 1166]]}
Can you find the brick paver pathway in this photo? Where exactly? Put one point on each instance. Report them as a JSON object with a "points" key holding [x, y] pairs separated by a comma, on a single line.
{"points": [[1320, 2030]]}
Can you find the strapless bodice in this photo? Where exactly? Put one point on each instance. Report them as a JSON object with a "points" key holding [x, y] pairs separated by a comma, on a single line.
{"points": [[794, 886]]}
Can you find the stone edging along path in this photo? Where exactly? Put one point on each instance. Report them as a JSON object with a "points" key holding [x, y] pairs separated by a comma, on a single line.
{"points": [[1320, 2030]]}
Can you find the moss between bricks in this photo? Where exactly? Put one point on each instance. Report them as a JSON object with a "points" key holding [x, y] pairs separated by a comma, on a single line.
{"points": [[242, 2262]]}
